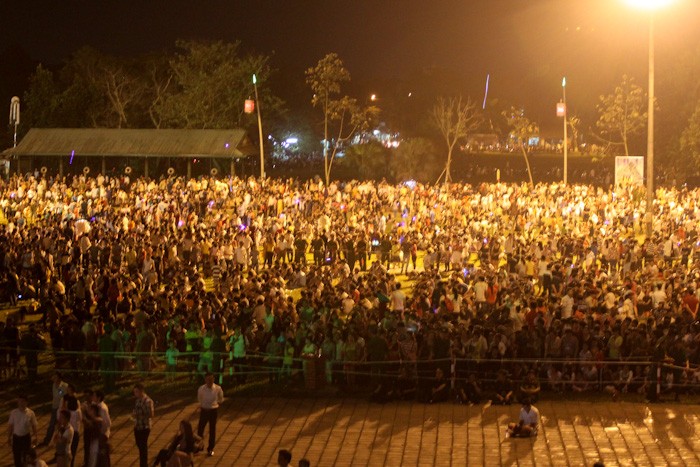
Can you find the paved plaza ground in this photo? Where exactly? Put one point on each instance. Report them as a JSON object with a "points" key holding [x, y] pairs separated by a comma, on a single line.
{"points": [[333, 431]]}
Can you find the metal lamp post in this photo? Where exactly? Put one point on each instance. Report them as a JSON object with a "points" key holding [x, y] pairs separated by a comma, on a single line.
{"points": [[260, 132], [651, 6], [566, 134]]}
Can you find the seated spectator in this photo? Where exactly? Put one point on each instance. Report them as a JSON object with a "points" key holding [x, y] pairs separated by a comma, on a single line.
{"points": [[440, 389], [530, 387], [528, 422], [503, 389], [469, 391]]}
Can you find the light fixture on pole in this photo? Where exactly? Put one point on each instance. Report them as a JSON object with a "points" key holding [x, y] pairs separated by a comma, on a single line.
{"points": [[651, 6], [260, 132]]}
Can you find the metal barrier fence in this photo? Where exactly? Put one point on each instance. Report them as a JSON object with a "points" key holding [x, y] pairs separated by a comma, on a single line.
{"points": [[554, 374]]}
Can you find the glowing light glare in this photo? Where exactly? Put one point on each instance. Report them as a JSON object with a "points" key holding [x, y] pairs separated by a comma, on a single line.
{"points": [[486, 92], [563, 82], [255, 79], [292, 140], [373, 97], [649, 4]]}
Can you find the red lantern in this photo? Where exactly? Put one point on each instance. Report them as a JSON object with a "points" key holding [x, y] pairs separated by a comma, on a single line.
{"points": [[561, 109], [249, 106]]}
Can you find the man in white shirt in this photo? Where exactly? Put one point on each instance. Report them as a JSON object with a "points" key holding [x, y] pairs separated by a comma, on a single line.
{"points": [[567, 305], [398, 299], [529, 420], [21, 431], [210, 396]]}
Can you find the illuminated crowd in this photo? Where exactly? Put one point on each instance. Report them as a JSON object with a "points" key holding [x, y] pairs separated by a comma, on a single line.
{"points": [[432, 291]]}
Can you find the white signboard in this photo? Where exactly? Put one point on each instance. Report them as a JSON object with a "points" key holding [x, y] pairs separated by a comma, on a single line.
{"points": [[629, 170]]}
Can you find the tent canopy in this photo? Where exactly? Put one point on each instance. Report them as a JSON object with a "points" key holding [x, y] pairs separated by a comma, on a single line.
{"points": [[102, 142]]}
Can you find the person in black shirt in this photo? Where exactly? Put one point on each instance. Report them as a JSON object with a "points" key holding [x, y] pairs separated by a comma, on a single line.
{"points": [[300, 246], [361, 252], [332, 249], [318, 246], [350, 255], [470, 390], [440, 389], [385, 250], [503, 389]]}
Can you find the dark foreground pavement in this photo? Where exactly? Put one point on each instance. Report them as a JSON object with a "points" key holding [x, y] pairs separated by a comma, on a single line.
{"points": [[353, 432]]}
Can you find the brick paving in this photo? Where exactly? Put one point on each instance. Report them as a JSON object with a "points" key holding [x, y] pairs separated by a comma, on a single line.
{"points": [[353, 432]]}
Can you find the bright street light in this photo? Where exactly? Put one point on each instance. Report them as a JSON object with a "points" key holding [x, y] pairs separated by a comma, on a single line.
{"points": [[649, 4]]}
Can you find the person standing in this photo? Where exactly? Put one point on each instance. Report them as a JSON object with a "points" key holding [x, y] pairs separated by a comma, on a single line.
{"points": [[21, 430], [63, 439], [143, 414], [210, 396], [58, 390]]}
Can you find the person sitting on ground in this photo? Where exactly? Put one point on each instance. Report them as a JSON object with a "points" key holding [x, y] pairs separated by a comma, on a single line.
{"points": [[530, 387], [470, 391], [440, 389], [503, 389], [180, 452], [528, 422]]}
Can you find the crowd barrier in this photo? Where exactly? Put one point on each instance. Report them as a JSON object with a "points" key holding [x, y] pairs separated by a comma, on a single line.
{"points": [[316, 371]]}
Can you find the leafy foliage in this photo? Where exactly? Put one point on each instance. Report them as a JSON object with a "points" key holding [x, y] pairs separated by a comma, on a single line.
{"points": [[343, 116], [690, 138], [415, 159], [212, 80], [202, 86], [369, 160], [521, 130], [621, 114]]}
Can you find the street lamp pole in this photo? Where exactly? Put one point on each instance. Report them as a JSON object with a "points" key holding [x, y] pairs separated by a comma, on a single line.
{"points": [[566, 134], [260, 132], [650, 134]]}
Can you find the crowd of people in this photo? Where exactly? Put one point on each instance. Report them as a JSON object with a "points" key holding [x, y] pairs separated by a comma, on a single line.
{"points": [[433, 291]]}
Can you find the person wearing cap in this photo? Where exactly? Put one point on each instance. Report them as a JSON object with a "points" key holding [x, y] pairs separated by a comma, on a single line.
{"points": [[528, 422]]}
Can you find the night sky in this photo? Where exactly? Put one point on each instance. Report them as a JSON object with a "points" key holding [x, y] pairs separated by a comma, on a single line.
{"points": [[526, 45]]}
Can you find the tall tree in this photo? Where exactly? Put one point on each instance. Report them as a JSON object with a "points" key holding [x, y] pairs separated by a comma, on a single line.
{"points": [[456, 119], [690, 138], [415, 158], [114, 83], [343, 116], [369, 160], [621, 114], [212, 80], [521, 130], [41, 100]]}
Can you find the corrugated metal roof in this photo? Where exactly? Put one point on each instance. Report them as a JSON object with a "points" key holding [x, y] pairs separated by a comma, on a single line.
{"points": [[133, 143]]}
